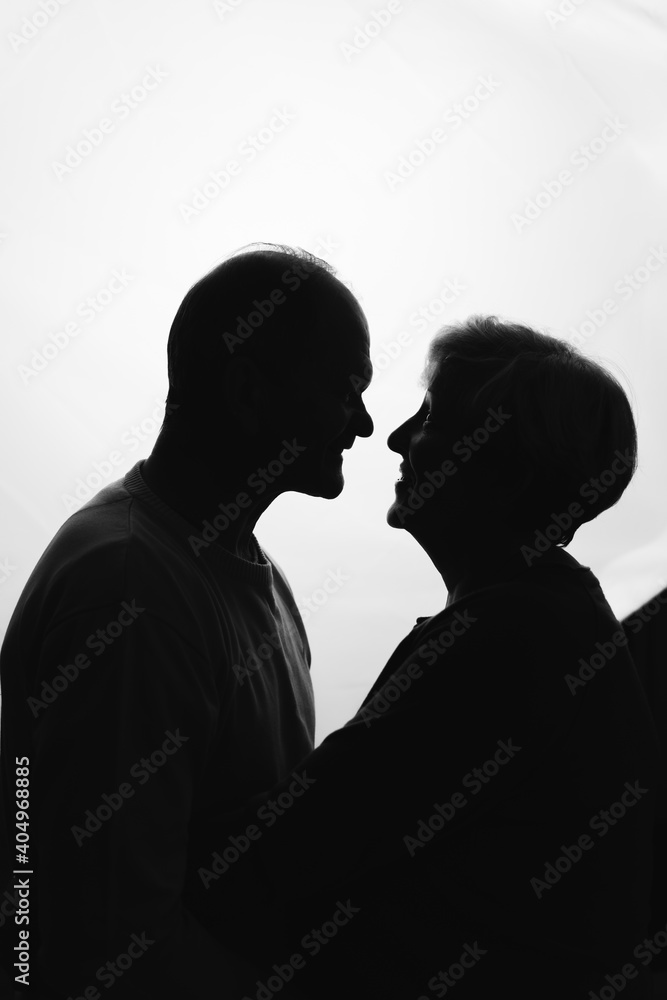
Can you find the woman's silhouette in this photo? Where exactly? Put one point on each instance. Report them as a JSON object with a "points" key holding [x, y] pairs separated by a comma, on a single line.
{"points": [[488, 812]]}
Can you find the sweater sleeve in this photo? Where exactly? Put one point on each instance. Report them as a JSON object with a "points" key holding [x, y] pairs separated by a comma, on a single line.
{"points": [[120, 746]]}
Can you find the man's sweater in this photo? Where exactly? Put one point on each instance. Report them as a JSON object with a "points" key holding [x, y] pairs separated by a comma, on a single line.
{"points": [[151, 680], [488, 810]]}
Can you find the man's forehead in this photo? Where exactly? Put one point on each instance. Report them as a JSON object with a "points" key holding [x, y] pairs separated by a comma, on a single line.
{"points": [[344, 331], [344, 310], [349, 354]]}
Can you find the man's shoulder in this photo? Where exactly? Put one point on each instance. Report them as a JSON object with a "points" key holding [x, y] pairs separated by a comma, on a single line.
{"points": [[102, 535], [111, 549]]}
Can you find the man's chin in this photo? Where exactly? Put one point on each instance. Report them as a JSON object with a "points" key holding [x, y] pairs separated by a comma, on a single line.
{"points": [[330, 480], [325, 490], [328, 487]]}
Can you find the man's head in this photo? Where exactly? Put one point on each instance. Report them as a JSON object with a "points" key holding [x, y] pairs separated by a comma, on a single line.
{"points": [[530, 426], [270, 347]]}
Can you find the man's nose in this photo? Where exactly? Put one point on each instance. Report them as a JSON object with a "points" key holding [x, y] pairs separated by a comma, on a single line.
{"points": [[364, 426]]}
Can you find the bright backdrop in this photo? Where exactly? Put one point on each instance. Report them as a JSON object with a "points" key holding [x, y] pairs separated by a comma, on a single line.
{"points": [[401, 141]]}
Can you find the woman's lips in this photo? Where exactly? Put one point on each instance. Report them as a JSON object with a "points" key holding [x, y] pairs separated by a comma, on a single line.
{"points": [[404, 482]]}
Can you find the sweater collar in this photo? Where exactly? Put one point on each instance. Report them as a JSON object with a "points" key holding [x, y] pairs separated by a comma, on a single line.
{"points": [[200, 544]]}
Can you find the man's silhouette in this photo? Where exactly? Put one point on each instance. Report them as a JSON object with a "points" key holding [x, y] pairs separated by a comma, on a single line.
{"points": [[156, 668]]}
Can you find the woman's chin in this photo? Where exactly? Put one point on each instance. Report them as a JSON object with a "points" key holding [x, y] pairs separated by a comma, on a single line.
{"points": [[392, 519], [398, 514]]}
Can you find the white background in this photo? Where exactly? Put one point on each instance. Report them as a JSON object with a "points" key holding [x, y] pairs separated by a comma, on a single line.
{"points": [[358, 104]]}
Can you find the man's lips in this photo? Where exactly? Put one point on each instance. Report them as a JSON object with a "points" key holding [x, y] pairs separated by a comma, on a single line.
{"points": [[338, 447], [333, 454]]}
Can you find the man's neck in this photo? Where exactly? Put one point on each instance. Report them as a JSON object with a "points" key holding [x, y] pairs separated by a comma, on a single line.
{"points": [[176, 473]]}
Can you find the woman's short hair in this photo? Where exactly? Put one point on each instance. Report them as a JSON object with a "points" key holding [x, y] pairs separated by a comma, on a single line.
{"points": [[571, 422]]}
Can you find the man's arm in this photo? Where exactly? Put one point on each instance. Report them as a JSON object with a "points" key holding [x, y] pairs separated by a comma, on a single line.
{"points": [[117, 755]]}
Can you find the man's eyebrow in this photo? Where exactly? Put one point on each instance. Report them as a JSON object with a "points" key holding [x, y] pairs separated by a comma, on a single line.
{"points": [[359, 381]]}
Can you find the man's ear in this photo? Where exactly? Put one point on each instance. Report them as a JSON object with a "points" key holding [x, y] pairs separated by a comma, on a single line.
{"points": [[245, 392]]}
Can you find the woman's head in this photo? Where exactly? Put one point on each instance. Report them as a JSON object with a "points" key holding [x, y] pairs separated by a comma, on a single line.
{"points": [[528, 426]]}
